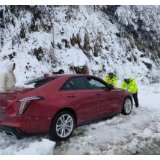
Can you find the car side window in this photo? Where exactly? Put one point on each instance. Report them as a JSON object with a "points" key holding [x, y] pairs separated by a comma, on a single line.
{"points": [[66, 86], [76, 83], [96, 84]]}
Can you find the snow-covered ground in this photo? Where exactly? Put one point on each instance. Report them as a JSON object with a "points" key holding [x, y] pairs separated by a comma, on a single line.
{"points": [[138, 133]]}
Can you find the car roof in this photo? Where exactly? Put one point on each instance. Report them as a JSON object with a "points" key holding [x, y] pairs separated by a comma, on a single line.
{"points": [[71, 75]]}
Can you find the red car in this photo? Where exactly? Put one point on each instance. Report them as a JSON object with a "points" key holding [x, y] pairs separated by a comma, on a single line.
{"points": [[59, 103]]}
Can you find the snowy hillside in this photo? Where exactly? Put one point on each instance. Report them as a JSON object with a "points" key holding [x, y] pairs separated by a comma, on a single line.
{"points": [[43, 39]]}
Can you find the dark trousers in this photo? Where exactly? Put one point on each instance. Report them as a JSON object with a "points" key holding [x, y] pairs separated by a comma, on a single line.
{"points": [[135, 97]]}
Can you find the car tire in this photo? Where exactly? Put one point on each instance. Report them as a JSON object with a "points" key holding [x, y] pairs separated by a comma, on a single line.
{"points": [[127, 106], [62, 126]]}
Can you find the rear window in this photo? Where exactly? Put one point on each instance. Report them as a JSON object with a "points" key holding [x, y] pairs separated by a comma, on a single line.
{"points": [[39, 81]]}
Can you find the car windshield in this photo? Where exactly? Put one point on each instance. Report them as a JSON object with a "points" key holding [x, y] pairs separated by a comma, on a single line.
{"points": [[37, 82]]}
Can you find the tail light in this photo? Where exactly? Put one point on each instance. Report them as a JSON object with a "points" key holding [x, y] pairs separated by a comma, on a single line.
{"points": [[25, 102]]}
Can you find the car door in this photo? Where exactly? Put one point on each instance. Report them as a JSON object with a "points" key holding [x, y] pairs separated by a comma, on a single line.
{"points": [[76, 91], [105, 98]]}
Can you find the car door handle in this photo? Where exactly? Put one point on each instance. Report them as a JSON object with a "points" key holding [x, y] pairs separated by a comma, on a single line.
{"points": [[98, 93], [71, 96]]}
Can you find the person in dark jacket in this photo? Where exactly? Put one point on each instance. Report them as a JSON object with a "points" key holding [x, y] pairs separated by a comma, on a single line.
{"points": [[61, 71]]}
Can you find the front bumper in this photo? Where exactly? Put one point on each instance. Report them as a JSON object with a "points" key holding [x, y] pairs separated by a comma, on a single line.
{"points": [[13, 131]]}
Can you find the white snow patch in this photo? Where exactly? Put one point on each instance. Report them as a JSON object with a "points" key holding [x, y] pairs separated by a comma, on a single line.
{"points": [[45, 147]]}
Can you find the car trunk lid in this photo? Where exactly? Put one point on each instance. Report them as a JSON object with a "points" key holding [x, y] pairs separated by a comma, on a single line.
{"points": [[9, 97]]}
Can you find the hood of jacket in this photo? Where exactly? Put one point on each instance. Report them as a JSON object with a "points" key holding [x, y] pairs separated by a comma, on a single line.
{"points": [[9, 66]]}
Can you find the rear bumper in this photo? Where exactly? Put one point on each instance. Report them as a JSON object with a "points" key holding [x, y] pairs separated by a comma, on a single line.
{"points": [[13, 131]]}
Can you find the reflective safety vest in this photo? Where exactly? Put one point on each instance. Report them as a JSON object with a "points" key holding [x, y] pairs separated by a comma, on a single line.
{"points": [[112, 81], [131, 86]]}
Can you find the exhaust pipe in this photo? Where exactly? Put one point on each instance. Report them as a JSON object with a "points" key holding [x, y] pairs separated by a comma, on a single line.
{"points": [[8, 133]]}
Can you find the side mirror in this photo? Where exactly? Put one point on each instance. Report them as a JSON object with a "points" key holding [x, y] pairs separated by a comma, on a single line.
{"points": [[111, 87]]}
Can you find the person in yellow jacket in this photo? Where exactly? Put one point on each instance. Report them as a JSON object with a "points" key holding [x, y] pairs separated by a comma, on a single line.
{"points": [[111, 79], [132, 87]]}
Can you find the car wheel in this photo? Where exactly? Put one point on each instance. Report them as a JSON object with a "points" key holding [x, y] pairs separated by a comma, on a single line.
{"points": [[127, 106], [62, 126]]}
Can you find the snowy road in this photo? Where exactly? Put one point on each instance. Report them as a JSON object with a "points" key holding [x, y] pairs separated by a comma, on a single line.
{"points": [[138, 133]]}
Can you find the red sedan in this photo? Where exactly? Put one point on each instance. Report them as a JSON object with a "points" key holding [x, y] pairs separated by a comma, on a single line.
{"points": [[57, 104]]}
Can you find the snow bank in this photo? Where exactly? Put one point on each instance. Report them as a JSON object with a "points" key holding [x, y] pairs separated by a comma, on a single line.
{"points": [[45, 147], [27, 146]]}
